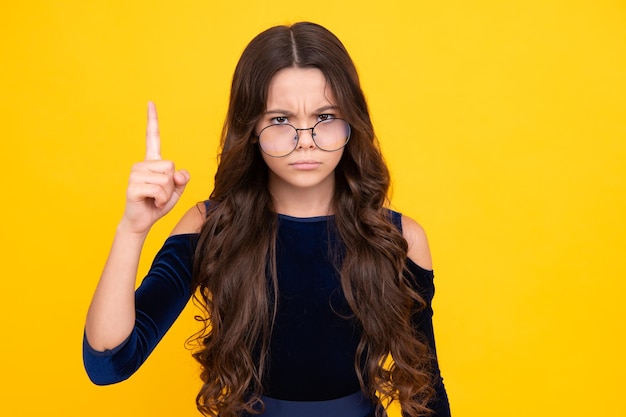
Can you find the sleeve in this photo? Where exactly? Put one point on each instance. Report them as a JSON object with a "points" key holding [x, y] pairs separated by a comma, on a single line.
{"points": [[159, 300], [424, 284]]}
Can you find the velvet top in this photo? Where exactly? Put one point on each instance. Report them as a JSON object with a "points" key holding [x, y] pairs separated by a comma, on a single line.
{"points": [[313, 344]]}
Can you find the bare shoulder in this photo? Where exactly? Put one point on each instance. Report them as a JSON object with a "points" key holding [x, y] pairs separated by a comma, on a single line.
{"points": [[415, 235], [192, 220]]}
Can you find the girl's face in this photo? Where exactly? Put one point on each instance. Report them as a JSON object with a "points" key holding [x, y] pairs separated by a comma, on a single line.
{"points": [[300, 97]]}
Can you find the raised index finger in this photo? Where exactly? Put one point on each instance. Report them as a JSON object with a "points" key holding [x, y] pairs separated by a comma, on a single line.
{"points": [[153, 140]]}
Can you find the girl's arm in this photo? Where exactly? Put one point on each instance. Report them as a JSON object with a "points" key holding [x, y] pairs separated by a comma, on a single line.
{"points": [[421, 269], [154, 188]]}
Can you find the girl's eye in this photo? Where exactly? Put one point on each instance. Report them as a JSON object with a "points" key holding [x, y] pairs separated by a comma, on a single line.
{"points": [[278, 120], [324, 117]]}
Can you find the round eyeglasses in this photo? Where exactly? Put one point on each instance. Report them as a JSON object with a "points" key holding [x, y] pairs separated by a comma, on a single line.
{"points": [[281, 139]]}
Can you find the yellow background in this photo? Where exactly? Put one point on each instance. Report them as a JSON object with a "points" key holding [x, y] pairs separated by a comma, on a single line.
{"points": [[504, 125]]}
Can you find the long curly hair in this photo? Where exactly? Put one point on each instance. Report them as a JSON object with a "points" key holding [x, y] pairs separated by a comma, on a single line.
{"points": [[236, 250]]}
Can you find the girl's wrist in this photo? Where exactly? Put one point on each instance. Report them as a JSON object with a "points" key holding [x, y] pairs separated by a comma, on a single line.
{"points": [[124, 229]]}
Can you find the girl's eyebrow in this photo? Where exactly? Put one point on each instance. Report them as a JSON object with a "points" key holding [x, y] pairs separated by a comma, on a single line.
{"points": [[278, 111], [326, 108]]}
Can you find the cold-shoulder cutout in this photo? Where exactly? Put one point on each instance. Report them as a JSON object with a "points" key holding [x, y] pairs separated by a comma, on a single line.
{"points": [[419, 251], [192, 221]]}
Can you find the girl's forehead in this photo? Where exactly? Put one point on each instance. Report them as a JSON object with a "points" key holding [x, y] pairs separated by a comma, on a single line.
{"points": [[299, 88]]}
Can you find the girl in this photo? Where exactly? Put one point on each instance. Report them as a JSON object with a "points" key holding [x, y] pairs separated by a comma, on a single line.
{"points": [[308, 283]]}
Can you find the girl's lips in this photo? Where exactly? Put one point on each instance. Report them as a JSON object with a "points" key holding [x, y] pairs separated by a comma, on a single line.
{"points": [[305, 164]]}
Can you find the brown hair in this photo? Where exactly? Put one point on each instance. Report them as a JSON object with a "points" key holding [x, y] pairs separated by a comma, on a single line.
{"points": [[236, 250]]}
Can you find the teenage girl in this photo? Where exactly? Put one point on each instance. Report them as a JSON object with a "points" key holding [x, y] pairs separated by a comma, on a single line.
{"points": [[308, 283]]}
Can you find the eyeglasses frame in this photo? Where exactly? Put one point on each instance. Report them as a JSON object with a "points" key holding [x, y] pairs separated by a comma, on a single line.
{"points": [[312, 129]]}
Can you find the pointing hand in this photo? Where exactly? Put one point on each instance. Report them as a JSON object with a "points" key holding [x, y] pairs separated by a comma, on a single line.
{"points": [[154, 186]]}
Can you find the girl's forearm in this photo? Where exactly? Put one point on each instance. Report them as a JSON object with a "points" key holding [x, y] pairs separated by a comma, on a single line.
{"points": [[111, 315]]}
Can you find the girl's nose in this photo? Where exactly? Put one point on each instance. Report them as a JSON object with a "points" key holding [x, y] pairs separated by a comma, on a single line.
{"points": [[305, 138]]}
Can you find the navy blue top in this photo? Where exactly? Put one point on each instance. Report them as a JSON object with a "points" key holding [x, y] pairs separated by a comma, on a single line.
{"points": [[312, 348]]}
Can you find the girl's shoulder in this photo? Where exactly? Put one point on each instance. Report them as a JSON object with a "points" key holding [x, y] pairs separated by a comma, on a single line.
{"points": [[192, 220], [415, 235]]}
